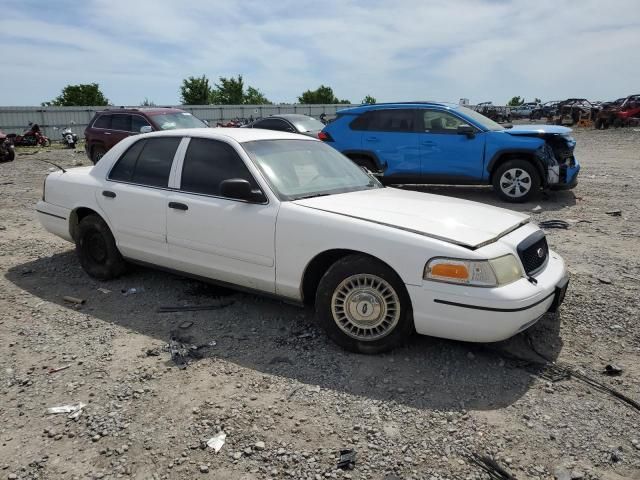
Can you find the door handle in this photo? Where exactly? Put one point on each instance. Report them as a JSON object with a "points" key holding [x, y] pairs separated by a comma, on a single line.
{"points": [[372, 139], [178, 206], [109, 194], [428, 143]]}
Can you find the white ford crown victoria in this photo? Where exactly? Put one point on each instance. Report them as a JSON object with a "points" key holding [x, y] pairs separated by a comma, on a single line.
{"points": [[289, 216]]}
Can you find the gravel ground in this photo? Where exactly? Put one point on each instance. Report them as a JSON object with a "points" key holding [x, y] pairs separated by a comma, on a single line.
{"points": [[287, 399]]}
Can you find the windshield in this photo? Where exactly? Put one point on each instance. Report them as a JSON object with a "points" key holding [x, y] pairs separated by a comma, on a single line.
{"points": [[171, 121], [308, 124], [304, 168], [481, 119]]}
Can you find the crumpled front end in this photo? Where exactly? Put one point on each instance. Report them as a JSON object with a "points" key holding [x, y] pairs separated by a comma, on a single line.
{"points": [[557, 157]]}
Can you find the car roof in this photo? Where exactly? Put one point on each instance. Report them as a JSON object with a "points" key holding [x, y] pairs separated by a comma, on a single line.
{"points": [[240, 135], [148, 111], [377, 106], [289, 116]]}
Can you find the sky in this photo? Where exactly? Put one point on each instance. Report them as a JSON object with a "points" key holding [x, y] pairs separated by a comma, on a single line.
{"points": [[483, 50]]}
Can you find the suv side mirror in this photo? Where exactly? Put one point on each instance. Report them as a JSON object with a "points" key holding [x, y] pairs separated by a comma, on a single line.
{"points": [[146, 129], [240, 189], [467, 130]]}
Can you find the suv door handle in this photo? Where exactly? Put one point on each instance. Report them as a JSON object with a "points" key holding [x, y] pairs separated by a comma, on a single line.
{"points": [[372, 139], [428, 143], [107, 133], [178, 206], [109, 194]]}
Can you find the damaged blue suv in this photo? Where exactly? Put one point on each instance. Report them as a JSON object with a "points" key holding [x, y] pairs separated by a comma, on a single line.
{"points": [[424, 142]]}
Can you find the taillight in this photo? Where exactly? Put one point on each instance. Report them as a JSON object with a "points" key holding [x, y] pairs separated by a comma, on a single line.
{"points": [[325, 137]]}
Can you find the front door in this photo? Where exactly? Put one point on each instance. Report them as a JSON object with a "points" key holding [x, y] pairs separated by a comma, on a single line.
{"points": [[134, 198], [217, 237], [446, 155]]}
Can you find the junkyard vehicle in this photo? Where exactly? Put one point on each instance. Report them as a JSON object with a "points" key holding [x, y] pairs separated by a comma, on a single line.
{"points": [[110, 126], [571, 111], [450, 144], [32, 137], [7, 152], [288, 216], [546, 110], [525, 110], [619, 112], [494, 112], [290, 122]]}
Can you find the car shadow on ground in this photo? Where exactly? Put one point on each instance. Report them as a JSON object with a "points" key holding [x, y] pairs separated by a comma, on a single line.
{"points": [[279, 339], [549, 200]]}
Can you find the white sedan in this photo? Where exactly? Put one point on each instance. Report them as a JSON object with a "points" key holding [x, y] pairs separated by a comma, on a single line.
{"points": [[288, 216]]}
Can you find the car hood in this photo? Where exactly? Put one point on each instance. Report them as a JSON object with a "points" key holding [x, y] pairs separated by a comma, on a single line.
{"points": [[537, 129], [462, 222]]}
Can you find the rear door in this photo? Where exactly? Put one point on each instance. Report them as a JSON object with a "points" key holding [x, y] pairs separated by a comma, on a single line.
{"points": [[392, 135], [447, 156], [134, 198], [217, 237]]}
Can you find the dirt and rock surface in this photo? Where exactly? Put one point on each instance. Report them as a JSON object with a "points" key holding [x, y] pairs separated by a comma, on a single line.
{"points": [[287, 399]]}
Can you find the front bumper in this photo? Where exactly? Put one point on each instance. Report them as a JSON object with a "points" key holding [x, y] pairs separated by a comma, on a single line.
{"points": [[571, 179], [474, 314]]}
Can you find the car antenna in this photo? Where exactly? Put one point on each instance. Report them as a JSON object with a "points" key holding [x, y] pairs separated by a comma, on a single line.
{"points": [[51, 163]]}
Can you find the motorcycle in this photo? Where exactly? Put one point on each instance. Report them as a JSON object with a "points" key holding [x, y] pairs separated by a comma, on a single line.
{"points": [[69, 138], [7, 152], [30, 138]]}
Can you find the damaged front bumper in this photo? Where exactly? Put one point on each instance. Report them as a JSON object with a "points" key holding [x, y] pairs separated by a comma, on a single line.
{"points": [[571, 179]]}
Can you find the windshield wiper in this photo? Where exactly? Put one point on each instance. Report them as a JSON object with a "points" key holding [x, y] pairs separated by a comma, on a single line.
{"points": [[314, 196]]}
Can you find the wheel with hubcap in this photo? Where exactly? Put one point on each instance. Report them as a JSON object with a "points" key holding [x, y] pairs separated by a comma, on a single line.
{"points": [[97, 250], [516, 181], [363, 305]]}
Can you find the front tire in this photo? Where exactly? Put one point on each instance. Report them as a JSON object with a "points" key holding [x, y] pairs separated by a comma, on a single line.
{"points": [[363, 305], [97, 250], [516, 181]]}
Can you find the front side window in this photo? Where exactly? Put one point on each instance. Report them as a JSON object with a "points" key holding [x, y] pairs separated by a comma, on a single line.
{"points": [[137, 122], [147, 162], [436, 121], [207, 163], [103, 121], [121, 122]]}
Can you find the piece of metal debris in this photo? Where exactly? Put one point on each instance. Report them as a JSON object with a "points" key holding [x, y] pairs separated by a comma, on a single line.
{"points": [[605, 280], [104, 290], [195, 308], [131, 291], [554, 224], [614, 213], [490, 466], [536, 209], [186, 324], [217, 441], [74, 410], [612, 370], [58, 369], [76, 300], [347, 460]]}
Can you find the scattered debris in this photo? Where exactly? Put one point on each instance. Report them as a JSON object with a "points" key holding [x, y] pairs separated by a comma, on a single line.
{"points": [[131, 291], [536, 209], [216, 442], [614, 213], [554, 224], [58, 369], [186, 324], [605, 280], [76, 300], [612, 370], [104, 290], [347, 459], [74, 410], [195, 308], [489, 465]]}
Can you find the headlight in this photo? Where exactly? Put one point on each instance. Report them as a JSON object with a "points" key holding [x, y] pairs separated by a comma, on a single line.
{"points": [[479, 273]]}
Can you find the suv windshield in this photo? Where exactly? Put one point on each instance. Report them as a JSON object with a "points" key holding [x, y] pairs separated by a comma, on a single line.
{"points": [[304, 168], [307, 124], [481, 119], [171, 121]]}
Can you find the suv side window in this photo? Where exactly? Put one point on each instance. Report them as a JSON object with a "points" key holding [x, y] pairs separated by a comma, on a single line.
{"points": [[147, 162], [103, 121], [209, 162], [393, 120], [436, 121], [121, 121], [137, 122], [274, 124]]}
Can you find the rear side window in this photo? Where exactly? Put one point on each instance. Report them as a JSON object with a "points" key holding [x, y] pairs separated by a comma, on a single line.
{"points": [[121, 122], [209, 162], [147, 162], [361, 122], [103, 121], [396, 120]]}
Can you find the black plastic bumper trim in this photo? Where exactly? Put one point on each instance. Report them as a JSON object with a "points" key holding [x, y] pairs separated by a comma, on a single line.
{"points": [[491, 309], [51, 214]]}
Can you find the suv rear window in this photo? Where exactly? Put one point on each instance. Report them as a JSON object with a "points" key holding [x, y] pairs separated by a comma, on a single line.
{"points": [[147, 162], [103, 121], [392, 120]]}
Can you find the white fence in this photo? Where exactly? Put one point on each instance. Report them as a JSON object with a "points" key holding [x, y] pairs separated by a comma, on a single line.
{"points": [[16, 119]]}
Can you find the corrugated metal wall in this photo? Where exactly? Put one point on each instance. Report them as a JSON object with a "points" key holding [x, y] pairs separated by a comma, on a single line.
{"points": [[16, 119]]}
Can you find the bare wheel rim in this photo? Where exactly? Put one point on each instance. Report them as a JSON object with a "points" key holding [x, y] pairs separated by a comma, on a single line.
{"points": [[515, 182], [365, 307]]}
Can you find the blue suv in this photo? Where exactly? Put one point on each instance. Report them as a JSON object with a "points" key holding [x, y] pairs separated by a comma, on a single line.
{"points": [[425, 142]]}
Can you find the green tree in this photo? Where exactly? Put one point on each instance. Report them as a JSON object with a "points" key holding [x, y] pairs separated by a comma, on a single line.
{"points": [[322, 95], [85, 94], [537, 100], [255, 97], [369, 99], [195, 91], [147, 103], [515, 101], [231, 91]]}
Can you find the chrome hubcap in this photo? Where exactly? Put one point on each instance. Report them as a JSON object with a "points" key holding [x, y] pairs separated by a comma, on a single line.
{"points": [[515, 182], [365, 307]]}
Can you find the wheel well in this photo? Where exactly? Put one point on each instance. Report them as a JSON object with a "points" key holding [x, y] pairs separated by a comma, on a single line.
{"points": [[319, 265], [76, 217], [505, 157]]}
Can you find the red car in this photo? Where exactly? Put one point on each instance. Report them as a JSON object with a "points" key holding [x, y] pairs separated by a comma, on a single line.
{"points": [[108, 127]]}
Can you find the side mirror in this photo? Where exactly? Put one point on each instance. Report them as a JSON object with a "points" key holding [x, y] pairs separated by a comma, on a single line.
{"points": [[466, 130], [146, 129], [240, 189]]}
